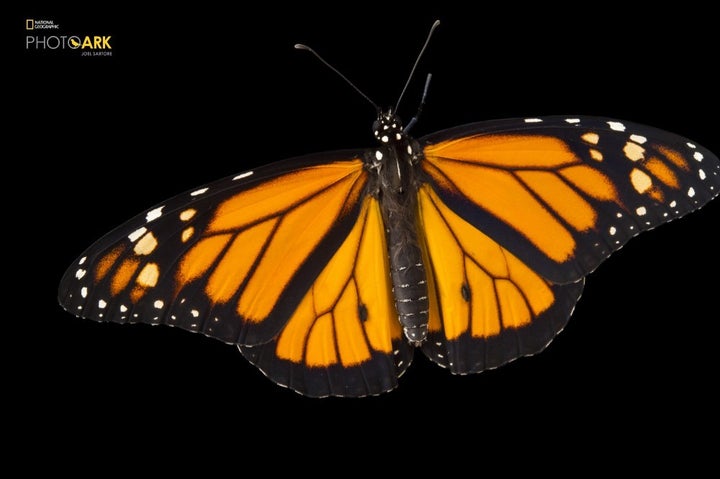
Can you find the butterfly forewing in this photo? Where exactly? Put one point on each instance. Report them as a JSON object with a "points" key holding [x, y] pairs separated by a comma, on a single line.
{"points": [[562, 193], [231, 259]]}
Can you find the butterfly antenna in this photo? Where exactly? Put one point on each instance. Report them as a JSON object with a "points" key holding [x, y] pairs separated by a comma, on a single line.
{"points": [[412, 72], [300, 46]]}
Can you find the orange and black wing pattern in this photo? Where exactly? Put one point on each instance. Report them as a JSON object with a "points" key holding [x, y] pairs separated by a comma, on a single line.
{"points": [[514, 213], [253, 260]]}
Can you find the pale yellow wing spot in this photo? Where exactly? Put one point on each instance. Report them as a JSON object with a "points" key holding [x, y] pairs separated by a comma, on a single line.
{"points": [[146, 245]]}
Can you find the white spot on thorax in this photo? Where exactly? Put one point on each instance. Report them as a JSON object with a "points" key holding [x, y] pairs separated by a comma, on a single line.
{"points": [[154, 214], [198, 192]]}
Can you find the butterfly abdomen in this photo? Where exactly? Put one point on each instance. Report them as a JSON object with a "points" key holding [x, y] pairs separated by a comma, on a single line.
{"points": [[409, 287]]}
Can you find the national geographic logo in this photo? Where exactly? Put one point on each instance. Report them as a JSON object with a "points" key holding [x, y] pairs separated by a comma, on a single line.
{"points": [[85, 45]]}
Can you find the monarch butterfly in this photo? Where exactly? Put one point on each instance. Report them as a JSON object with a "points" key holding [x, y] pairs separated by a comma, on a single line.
{"points": [[327, 270]]}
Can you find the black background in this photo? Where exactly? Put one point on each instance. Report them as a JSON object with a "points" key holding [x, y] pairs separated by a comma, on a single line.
{"points": [[195, 94]]}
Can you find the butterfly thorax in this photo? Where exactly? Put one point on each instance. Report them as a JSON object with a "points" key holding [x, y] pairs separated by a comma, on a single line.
{"points": [[396, 188]]}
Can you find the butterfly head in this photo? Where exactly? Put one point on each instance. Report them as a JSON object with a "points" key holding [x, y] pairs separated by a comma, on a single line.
{"points": [[388, 128]]}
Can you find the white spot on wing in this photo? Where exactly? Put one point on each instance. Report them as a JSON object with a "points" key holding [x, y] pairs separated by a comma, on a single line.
{"points": [[82, 260], [638, 139], [616, 125], [135, 235], [673, 203], [243, 175], [102, 304], [378, 155], [123, 308], [158, 304], [701, 173], [195, 313], [572, 120], [83, 292], [613, 230], [698, 156], [384, 139], [198, 192], [691, 145], [80, 273], [533, 120], [641, 211], [154, 214], [691, 192]]}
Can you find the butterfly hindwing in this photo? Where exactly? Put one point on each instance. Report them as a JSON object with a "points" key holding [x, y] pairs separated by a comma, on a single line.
{"points": [[344, 338], [231, 259], [486, 306], [563, 193]]}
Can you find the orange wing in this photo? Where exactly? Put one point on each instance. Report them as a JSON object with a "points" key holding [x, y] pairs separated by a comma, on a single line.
{"points": [[563, 193], [344, 339], [486, 306], [515, 213], [231, 260]]}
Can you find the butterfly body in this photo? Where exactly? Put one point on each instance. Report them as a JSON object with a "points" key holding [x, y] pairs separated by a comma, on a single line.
{"points": [[395, 164]]}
